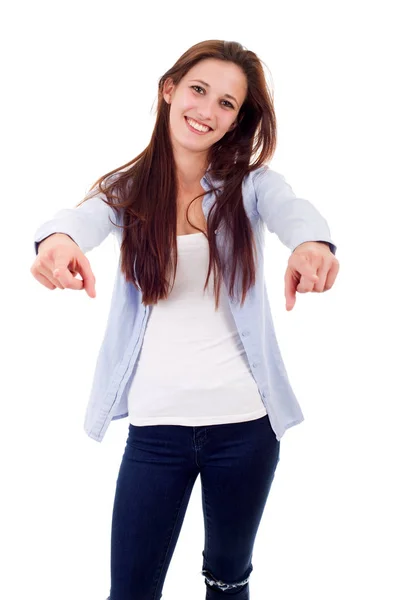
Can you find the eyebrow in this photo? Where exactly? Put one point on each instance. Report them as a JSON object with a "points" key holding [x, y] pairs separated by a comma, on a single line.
{"points": [[208, 85]]}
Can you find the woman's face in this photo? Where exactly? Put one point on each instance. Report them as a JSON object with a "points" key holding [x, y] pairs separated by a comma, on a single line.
{"points": [[215, 105]]}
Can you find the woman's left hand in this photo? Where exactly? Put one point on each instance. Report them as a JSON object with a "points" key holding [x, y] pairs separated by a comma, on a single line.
{"points": [[312, 267]]}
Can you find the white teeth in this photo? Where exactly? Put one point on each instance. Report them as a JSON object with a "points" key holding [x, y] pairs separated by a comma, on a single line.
{"points": [[196, 125]]}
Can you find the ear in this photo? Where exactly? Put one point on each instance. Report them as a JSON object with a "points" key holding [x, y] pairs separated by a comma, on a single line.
{"points": [[168, 89]]}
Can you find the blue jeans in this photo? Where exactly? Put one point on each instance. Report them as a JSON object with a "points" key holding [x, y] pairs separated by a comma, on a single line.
{"points": [[159, 467]]}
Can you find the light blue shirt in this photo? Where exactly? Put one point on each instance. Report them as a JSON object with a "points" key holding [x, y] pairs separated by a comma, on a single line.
{"points": [[268, 201]]}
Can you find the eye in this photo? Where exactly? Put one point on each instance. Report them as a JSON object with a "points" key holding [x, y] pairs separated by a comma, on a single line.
{"points": [[200, 88]]}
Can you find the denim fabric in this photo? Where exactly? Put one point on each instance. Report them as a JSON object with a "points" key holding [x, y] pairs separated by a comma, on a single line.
{"points": [[160, 464]]}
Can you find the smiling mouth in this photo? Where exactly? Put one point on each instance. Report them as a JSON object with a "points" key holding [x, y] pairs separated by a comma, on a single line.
{"points": [[197, 130]]}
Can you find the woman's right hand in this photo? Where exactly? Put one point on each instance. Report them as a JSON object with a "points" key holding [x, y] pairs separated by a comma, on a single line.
{"points": [[59, 259]]}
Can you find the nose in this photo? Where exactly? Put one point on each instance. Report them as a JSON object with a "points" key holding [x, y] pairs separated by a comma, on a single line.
{"points": [[205, 110]]}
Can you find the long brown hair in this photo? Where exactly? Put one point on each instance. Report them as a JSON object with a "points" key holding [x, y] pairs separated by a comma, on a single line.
{"points": [[146, 187]]}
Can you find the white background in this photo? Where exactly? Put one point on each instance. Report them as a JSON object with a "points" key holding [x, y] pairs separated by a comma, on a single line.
{"points": [[79, 93]]}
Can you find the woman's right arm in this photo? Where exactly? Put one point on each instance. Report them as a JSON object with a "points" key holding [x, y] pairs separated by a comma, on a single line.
{"points": [[87, 225]]}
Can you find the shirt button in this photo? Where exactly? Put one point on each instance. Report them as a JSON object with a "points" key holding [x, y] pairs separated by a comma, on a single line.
{"points": [[255, 364], [245, 333], [264, 395]]}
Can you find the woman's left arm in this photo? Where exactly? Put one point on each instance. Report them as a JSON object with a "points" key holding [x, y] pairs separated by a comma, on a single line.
{"points": [[312, 266]]}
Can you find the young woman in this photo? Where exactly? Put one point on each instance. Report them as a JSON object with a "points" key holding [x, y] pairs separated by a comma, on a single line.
{"points": [[191, 357]]}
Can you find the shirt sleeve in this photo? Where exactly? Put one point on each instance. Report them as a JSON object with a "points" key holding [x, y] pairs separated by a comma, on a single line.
{"points": [[87, 225], [294, 220]]}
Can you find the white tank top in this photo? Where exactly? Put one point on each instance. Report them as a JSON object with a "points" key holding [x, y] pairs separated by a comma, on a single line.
{"points": [[192, 368]]}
